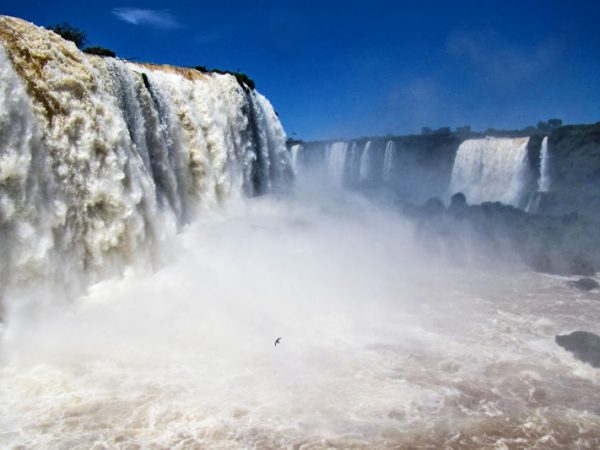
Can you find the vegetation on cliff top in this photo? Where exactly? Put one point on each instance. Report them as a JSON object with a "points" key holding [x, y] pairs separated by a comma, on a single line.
{"points": [[79, 38], [244, 80]]}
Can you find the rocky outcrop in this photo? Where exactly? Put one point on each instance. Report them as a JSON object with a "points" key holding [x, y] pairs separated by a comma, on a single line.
{"points": [[568, 244], [584, 284], [584, 345]]}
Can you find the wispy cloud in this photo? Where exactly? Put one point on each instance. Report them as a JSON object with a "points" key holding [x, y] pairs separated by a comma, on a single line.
{"points": [[162, 18], [499, 62]]}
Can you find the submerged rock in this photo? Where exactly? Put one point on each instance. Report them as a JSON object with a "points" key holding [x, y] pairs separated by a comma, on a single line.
{"points": [[584, 284], [585, 346]]}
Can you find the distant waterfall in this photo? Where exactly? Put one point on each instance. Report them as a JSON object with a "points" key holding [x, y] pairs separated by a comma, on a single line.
{"points": [[491, 169], [365, 163], [100, 159], [544, 181], [335, 154], [295, 150], [388, 160]]}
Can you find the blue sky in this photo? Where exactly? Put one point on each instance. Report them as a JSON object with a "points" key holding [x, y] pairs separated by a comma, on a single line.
{"points": [[357, 68]]}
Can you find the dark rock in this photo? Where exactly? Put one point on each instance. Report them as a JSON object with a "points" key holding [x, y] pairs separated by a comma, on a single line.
{"points": [[458, 200], [585, 346], [584, 284]]}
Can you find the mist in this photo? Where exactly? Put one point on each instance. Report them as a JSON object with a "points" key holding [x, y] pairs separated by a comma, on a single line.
{"points": [[381, 336]]}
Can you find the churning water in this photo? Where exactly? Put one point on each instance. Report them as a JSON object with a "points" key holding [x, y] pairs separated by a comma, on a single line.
{"points": [[382, 346]]}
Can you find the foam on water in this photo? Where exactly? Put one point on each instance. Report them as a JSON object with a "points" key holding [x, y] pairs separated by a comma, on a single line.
{"points": [[381, 345]]}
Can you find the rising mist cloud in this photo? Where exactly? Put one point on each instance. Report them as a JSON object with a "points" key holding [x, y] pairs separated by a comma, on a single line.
{"points": [[162, 19]]}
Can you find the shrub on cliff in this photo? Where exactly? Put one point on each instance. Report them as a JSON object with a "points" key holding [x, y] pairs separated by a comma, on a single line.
{"points": [[70, 33], [243, 80], [99, 51]]}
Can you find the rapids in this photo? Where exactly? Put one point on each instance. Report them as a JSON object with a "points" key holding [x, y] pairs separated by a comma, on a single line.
{"points": [[383, 346]]}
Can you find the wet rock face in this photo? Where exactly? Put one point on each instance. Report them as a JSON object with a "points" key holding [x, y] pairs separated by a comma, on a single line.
{"points": [[585, 346], [585, 284]]}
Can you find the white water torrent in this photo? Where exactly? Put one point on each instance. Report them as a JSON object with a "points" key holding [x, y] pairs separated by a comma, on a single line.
{"points": [[544, 181], [388, 160], [296, 150], [491, 169], [101, 160], [364, 171], [335, 154]]}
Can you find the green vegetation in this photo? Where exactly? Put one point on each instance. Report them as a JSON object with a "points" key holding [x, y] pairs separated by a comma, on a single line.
{"points": [[243, 80], [79, 37], [70, 33], [99, 51]]}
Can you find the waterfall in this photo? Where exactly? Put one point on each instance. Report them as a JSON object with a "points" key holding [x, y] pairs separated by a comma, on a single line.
{"points": [[491, 169], [544, 181], [335, 154], [365, 163], [295, 150], [102, 159], [388, 160]]}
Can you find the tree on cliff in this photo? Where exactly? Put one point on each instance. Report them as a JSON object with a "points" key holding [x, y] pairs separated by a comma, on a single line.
{"points": [[554, 123], [70, 33]]}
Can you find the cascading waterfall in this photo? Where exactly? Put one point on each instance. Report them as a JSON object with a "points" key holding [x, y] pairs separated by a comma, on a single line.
{"points": [[101, 159], [536, 201], [335, 154], [295, 151], [491, 169], [388, 160], [365, 163], [544, 181]]}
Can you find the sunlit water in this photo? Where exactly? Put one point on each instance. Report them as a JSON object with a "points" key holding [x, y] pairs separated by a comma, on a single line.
{"points": [[383, 344]]}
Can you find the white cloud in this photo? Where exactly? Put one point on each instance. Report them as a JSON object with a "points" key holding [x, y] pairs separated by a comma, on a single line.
{"points": [[154, 18]]}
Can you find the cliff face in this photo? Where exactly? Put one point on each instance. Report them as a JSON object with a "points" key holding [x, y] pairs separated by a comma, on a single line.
{"points": [[554, 174], [102, 159], [415, 167], [574, 166]]}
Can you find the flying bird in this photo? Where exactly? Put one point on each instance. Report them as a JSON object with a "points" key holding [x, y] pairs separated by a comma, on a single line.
{"points": [[277, 341]]}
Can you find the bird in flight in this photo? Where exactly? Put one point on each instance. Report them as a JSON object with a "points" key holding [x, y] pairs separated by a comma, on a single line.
{"points": [[277, 341]]}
